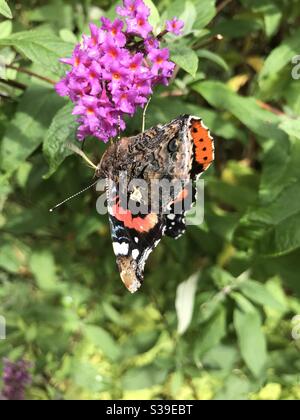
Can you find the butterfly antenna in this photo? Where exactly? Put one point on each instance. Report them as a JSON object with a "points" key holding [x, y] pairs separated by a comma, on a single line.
{"points": [[73, 196], [79, 152], [144, 115]]}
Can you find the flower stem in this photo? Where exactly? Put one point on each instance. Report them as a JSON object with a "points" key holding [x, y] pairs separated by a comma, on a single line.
{"points": [[31, 73], [14, 84]]}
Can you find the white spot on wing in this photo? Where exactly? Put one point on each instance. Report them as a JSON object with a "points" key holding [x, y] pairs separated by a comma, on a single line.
{"points": [[121, 248], [135, 254]]}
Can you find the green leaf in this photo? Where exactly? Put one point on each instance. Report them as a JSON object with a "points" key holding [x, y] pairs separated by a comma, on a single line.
{"points": [[154, 17], [251, 339], [42, 47], [12, 256], [258, 293], [215, 58], [43, 267], [102, 339], [247, 110], [61, 131], [48, 14], [281, 239], [143, 377], [235, 389], [185, 298], [291, 127], [272, 230], [238, 27], [184, 57], [5, 9], [206, 11], [5, 28], [280, 57], [86, 376], [210, 334], [272, 19], [28, 128]]}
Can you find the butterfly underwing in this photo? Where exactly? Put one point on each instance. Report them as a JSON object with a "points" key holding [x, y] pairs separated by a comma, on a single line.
{"points": [[178, 151]]}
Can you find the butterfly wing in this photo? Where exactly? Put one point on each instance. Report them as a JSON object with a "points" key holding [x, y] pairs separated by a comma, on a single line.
{"points": [[181, 150], [134, 237], [202, 157]]}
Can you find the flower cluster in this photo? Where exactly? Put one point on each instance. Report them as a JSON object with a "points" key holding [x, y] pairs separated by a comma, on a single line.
{"points": [[15, 380], [115, 69]]}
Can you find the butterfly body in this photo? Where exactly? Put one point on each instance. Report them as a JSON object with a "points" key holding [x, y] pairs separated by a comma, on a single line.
{"points": [[178, 152]]}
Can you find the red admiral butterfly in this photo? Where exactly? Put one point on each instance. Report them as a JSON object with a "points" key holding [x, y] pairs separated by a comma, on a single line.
{"points": [[182, 150]]}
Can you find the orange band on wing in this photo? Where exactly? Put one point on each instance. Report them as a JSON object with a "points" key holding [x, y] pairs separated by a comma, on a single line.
{"points": [[204, 151], [137, 223]]}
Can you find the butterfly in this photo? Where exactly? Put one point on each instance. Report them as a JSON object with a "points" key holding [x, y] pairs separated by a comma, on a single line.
{"points": [[180, 150]]}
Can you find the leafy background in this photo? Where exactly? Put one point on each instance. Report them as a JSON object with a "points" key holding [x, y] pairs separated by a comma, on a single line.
{"points": [[214, 317]]}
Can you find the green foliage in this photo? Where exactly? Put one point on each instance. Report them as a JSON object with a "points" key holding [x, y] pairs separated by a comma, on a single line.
{"points": [[214, 317]]}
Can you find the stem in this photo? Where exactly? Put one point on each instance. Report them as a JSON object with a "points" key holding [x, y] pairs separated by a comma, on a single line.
{"points": [[144, 115], [205, 43], [14, 84], [31, 73], [270, 108], [223, 5], [161, 35]]}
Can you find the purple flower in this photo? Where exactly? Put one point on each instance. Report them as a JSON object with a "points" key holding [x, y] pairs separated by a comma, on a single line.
{"points": [[87, 107], [139, 25], [94, 75], [143, 84], [115, 30], [62, 87], [125, 100], [112, 52], [175, 26], [116, 75], [132, 8], [16, 379], [151, 43], [159, 59], [113, 73]]}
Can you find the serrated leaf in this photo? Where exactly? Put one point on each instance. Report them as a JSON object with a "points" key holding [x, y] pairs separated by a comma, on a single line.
{"points": [[27, 128], [251, 339], [42, 47], [61, 131], [185, 297], [5, 9], [281, 239], [184, 57]]}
